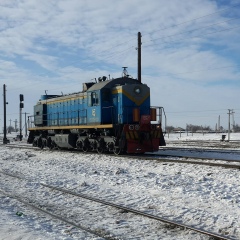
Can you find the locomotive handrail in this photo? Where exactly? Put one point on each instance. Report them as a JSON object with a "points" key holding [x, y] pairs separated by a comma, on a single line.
{"points": [[160, 115]]}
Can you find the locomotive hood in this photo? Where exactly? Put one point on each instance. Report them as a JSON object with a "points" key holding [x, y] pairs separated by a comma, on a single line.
{"points": [[112, 83]]}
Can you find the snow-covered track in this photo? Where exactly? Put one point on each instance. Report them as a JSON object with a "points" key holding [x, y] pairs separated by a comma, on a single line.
{"points": [[210, 144], [40, 207], [214, 162], [103, 202], [207, 161], [199, 149], [19, 146], [58, 217]]}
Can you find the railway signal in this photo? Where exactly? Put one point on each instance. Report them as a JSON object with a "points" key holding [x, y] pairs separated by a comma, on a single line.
{"points": [[5, 140], [21, 106]]}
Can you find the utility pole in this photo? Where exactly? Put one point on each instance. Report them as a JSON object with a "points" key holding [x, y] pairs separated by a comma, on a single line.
{"points": [[26, 123], [219, 123], [233, 122], [15, 124], [230, 111], [139, 57], [5, 140], [10, 122], [20, 117]]}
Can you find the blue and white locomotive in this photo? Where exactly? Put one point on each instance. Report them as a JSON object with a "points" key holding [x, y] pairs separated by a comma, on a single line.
{"points": [[109, 115]]}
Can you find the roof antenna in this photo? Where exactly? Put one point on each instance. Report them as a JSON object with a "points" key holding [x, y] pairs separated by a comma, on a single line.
{"points": [[125, 72]]}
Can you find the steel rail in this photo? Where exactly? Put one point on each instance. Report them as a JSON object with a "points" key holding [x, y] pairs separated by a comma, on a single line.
{"points": [[193, 157], [198, 149], [146, 157], [162, 219], [58, 217], [187, 161]]}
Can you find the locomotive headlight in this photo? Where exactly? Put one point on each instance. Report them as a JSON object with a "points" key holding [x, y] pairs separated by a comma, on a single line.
{"points": [[137, 90]]}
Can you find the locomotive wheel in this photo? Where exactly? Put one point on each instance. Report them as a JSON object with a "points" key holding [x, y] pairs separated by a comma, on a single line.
{"points": [[101, 146], [79, 145], [117, 150], [52, 146], [100, 150], [85, 149], [40, 143], [49, 143], [85, 145]]}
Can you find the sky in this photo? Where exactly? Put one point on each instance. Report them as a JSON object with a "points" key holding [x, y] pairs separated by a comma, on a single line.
{"points": [[190, 52]]}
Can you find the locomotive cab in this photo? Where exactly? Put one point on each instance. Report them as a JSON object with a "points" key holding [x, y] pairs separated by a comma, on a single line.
{"points": [[128, 97]]}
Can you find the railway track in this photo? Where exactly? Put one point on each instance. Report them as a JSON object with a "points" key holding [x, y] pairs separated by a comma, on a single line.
{"points": [[56, 216], [102, 233], [188, 160], [170, 158], [199, 149], [211, 144]]}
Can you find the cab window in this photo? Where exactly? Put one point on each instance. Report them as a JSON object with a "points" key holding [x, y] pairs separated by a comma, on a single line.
{"points": [[93, 99]]}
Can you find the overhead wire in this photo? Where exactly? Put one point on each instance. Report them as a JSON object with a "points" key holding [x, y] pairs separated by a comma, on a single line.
{"points": [[196, 111], [207, 15], [202, 35], [115, 46], [108, 57], [116, 53], [208, 26], [207, 69], [197, 36], [120, 52]]}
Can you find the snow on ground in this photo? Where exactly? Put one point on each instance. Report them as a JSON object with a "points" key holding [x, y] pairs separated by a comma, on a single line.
{"points": [[207, 197], [200, 136]]}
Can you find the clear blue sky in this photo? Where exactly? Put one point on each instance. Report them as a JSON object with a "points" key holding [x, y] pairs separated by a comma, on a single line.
{"points": [[190, 52]]}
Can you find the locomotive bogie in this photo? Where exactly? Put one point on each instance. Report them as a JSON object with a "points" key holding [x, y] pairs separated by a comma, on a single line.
{"points": [[64, 140]]}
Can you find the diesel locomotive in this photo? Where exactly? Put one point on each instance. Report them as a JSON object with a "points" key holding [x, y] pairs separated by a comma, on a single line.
{"points": [[108, 115]]}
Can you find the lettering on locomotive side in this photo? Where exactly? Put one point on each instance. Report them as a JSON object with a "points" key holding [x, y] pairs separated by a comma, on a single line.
{"points": [[93, 120]]}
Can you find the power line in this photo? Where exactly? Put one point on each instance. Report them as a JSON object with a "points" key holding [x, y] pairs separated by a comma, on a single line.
{"points": [[203, 70], [115, 46], [222, 30], [208, 26], [213, 13], [114, 54], [121, 53], [161, 75], [108, 57], [216, 110]]}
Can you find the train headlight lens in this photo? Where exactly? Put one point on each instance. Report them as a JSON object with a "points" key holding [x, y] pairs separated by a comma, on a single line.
{"points": [[137, 90]]}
